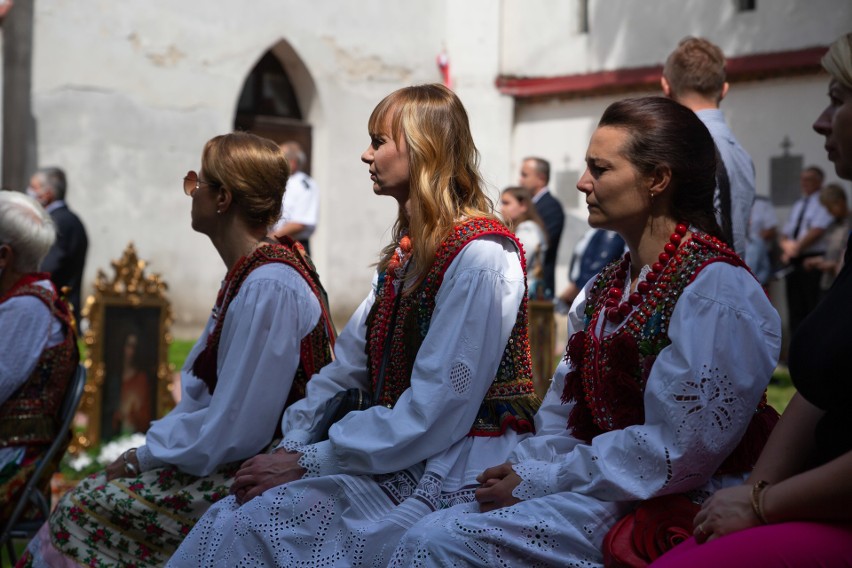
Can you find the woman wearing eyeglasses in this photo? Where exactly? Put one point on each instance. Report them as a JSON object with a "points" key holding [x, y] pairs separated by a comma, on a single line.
{"points": [[268, 333]]}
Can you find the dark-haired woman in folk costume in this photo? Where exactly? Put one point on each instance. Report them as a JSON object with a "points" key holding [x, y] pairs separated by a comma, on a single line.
{"points": [[661, 389]]}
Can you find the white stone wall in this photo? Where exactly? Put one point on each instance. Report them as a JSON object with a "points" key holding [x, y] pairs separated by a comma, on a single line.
{"points": [[126, 93], [541, 37]]}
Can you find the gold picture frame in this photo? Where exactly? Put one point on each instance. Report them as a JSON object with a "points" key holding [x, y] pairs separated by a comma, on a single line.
{"points": [[127, 343]]}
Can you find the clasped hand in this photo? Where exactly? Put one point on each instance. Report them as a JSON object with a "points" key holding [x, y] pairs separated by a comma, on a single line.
{"points": [[265, 471], [497, 485]]}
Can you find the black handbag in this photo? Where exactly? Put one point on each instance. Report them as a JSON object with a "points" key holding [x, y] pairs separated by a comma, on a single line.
{"points": [[348, 400], [336, 408]]}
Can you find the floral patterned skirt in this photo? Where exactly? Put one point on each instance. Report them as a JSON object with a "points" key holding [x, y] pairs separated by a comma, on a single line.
{"points": [[130, 521]]}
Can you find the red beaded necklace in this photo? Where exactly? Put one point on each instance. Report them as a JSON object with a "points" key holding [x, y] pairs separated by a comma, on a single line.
{"points": [[616, 311]]}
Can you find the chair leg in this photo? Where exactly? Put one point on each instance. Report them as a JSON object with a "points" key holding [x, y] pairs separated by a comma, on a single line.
{"points": [[10, 548]]}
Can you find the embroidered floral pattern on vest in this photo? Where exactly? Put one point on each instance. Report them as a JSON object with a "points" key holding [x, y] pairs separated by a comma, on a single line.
{"points": [[607, 381], [29, 415], [315, 348], [510, 401]]}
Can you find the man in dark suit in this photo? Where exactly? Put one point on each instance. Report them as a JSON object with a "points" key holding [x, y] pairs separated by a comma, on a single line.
{"points": [[67, 257], [535, 175]]}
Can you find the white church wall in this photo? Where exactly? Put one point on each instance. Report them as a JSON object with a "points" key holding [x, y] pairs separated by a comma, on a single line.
{"points": [[542, 37], [126, 94]]}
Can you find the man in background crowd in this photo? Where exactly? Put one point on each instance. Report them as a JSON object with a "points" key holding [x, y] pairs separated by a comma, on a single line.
{"points": [[300, 207], [535, 175], [67, 257], [802, 238], [694, 76]]}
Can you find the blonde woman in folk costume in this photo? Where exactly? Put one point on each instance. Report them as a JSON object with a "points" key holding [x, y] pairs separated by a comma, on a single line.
{"points": [[446, 319], [268, 332]]}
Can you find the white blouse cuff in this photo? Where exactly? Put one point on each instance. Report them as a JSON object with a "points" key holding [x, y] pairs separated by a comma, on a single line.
{"points": [[146, 459], [294, 440], [318, 460], [538, 479]]}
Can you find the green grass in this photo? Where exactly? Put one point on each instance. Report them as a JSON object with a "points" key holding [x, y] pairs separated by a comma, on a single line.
{"points": [[780, 390], [20, 545], [178, 351]]}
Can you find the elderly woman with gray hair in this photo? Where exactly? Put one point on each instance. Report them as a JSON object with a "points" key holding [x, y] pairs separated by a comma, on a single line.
{"points": [[38, 349]]}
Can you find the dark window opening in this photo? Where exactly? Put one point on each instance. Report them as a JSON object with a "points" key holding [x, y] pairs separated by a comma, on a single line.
{"points": [[267, 91]]}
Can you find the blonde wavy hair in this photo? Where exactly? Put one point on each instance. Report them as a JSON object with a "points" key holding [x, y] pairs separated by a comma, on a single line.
{"points": [[445, 183], [838, 60]]}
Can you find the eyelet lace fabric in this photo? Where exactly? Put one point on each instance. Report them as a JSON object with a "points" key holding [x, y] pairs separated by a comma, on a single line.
{"points": [[506, 538], [292, 445], [535, 480], [317, 459], [700, 396], [460, 378]]}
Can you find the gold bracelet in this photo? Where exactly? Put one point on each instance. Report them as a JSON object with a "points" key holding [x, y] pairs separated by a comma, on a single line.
{"points": [[757, 500], [129, 467]]}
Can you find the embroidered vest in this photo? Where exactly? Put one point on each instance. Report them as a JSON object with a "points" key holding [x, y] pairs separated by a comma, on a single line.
{"points": [[315, 348], [31, 415], [607, 382], [510, 401]]}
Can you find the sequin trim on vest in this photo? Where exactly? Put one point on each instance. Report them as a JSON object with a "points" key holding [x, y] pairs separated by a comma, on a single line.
{"points": [[29, 416], [510, 401], [608, 378]]}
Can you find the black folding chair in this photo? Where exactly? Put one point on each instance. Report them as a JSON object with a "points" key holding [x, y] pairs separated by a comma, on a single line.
{"points": [[32, 494]]}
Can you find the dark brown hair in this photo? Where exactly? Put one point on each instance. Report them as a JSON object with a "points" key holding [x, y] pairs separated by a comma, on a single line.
{"points": [[665, 133], [523, 197]]}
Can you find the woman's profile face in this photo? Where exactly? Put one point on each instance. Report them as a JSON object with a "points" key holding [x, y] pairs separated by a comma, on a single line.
{"points": [[204, 205], [510, 208], [835, 123], [616, 194], [388, 163]]}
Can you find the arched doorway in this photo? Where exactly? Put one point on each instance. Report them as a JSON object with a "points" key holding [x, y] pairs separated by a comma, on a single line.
{"points": [[268, 105]]}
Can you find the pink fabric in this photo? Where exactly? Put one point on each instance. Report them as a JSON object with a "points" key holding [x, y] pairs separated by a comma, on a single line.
{"points": [[41, 553], [783, 545]]}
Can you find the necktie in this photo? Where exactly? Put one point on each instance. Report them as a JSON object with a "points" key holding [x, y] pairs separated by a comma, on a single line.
{"points": [[800, 219]]}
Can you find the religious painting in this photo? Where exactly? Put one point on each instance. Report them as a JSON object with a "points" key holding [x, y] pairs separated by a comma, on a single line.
{"points": [[131, 338], [127, 353]]}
